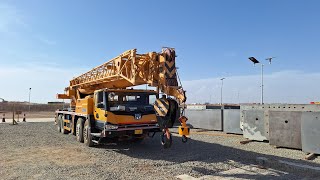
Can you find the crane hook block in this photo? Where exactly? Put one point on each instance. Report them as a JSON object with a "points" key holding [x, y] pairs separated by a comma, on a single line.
{"points": [[184, 130]]}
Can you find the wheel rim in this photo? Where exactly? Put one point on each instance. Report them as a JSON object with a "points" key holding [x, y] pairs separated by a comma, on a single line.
{"points": [[78, 130], [85, 133], [59, 124]]}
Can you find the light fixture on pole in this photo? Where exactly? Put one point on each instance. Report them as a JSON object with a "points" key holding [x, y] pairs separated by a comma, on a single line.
{"points": [[255, 61], [221, 89], [270, 59]]}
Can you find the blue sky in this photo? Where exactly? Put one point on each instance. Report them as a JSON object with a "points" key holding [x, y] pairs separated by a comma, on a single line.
{"points": [[213, 39]]}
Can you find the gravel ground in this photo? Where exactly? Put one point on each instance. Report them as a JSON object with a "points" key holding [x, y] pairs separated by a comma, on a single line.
{"points": [[38, 151]]}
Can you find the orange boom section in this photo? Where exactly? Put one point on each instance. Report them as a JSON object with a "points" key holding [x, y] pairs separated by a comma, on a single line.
{"points": [[130, 69]]}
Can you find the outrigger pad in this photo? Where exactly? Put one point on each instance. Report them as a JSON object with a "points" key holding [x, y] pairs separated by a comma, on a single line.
{"points": [[167, 120]]}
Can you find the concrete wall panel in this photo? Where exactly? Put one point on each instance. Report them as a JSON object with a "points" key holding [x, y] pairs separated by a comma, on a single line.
{"points": [[310, 132], [231, 121], [285, 129], [254, 125], [206, 119]]}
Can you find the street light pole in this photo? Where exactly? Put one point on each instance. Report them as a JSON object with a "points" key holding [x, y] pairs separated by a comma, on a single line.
{"points": [[29, 98], [262, 65], [255, 61], [221, 89]]}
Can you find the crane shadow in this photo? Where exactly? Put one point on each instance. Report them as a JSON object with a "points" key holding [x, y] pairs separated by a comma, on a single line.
{"points": [[201, 151]]}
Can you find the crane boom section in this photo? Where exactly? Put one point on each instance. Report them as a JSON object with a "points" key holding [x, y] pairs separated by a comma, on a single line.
{"points": [[131, 69]]}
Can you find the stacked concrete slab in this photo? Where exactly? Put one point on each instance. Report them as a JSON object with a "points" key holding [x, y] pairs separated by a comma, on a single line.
{"points": [[205, 116], [283, 125], [310, 132], [231, 119], [221, 118]]}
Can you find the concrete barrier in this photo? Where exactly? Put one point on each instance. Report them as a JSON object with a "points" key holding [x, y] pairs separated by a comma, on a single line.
{"points": [[310, 132], [259, 130], [285, 129], [253, 125], [231, 120], [205, 117], [211, 117]]}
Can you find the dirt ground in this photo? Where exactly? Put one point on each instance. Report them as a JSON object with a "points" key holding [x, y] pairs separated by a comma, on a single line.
{"points": [[37, 151]]}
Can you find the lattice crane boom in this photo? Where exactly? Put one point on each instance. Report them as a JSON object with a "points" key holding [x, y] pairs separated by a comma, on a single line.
{"points": [[130, 69]]}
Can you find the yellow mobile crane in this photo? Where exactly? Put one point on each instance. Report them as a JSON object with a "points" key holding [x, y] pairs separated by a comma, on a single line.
{"points": [[104, 108]]}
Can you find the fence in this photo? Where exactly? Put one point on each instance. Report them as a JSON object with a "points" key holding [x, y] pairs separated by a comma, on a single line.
{"points": [[9, 107]]}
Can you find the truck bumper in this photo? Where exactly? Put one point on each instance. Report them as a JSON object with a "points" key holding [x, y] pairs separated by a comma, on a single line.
{"points": [[130, 130]]}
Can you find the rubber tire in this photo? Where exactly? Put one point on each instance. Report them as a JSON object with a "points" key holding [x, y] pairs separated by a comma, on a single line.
{"points": [[63, 131], [59, 123], [79, 130], [73, 129], [87, 134]]}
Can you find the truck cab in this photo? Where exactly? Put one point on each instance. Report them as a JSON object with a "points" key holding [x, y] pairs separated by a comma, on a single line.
{"points": [[111, 114], [124, 107]]}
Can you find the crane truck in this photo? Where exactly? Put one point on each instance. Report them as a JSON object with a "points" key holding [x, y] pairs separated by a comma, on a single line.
{"points": [[104, 106]]}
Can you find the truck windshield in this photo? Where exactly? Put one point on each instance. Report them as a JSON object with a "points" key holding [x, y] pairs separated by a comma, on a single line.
{"points": [[134, 101]]}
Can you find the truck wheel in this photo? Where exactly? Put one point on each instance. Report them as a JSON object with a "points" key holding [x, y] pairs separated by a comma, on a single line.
{"points": [[87, 134], [63, 131], [79, 130], [73, 128], [59, 122]]}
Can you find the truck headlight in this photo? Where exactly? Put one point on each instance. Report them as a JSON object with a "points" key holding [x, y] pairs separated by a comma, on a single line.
{"points": [[108, 126]]}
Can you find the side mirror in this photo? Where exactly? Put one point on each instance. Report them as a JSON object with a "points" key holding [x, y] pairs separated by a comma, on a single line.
{"points": [[100, 105]]}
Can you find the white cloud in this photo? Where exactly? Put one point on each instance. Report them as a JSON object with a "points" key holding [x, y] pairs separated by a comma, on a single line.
{"points": [[45, 80], [280, 87], [14, 24]]}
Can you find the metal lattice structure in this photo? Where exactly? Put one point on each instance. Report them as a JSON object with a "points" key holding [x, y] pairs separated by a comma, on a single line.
{"points": [[131, 69]]}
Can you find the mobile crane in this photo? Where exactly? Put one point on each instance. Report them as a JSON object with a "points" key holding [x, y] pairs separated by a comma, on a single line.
{"points": [[105, 107]]}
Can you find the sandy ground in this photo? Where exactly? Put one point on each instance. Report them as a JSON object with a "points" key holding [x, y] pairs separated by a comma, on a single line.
{"points": [[42, 114], [31, 117], [36, 150]]}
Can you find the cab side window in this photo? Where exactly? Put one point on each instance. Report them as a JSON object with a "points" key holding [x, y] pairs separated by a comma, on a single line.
{"points": [[99, 100]]}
